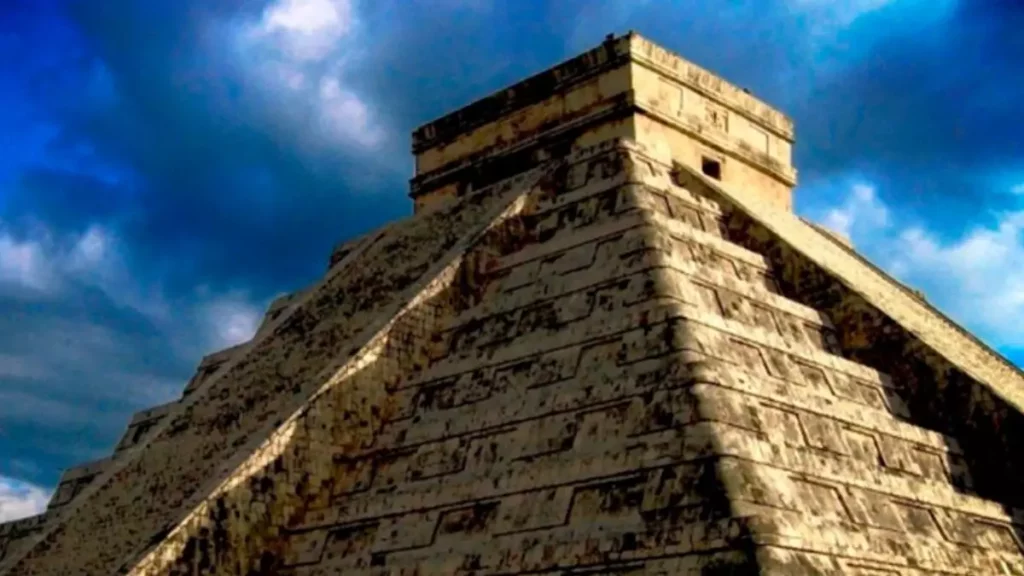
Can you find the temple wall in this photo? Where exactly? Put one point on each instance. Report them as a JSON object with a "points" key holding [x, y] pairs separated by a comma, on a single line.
{"points": [[711, 118], [627, 89], [586, 98], [627, 389], [692, 126], [691, 151]]}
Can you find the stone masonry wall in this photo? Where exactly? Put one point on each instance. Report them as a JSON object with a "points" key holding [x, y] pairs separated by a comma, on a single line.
{"points": [[555, 426], [634, 393], [544, 428], [553, 429], [16, 536], [623, 373], [920, 476], [142, 498]]}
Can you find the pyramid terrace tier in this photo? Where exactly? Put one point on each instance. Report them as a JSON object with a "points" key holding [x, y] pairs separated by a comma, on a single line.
{"points": [[608, 371]]}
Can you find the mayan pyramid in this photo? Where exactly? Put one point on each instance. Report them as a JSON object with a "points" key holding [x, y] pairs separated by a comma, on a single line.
{"points": [[604, 344]]}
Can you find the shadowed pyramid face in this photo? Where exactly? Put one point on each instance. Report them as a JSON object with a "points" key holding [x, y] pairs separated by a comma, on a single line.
{"points": [[603, 345], [626, 88]]}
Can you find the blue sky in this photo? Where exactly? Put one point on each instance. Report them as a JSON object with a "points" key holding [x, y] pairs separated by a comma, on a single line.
{"points": [[167, 167]]}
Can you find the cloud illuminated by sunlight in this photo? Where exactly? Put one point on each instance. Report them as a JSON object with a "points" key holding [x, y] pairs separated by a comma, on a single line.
{"points": [[229, 319], [978, 277], [307, 30], [22, 263], [39, 261], [20, 499], [42, 265], [299, 51], [861, 209]]}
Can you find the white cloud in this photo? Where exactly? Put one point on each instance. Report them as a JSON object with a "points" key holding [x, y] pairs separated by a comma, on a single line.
{"points": [[23, 262], [979, 277], [229, 319], [307, 30], [20, 500], [344, 113], [861, 210], [39, 261], [298, 52], [40, 265], [976, 277], [91, 249]]}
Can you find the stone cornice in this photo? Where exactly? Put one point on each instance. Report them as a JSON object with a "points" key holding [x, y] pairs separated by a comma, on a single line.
{"points": [[653, 56], [612, 53]]}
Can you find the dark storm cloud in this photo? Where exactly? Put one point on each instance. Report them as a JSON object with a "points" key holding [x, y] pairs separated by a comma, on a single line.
{"points": [[203, 181], [948, 95], [207, 178], [211, 184], [71, 372], [216, 180], [930, 114]]}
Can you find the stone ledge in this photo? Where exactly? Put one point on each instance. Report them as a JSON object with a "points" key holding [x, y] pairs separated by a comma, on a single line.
{"points": [[612, 53], [933, 328]]}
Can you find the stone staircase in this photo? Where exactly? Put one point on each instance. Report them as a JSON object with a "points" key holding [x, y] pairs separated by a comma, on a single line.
{"points": [[621, 377]]}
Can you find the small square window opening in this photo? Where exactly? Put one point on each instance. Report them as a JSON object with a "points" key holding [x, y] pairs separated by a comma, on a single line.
{"points": [[711, 167]]}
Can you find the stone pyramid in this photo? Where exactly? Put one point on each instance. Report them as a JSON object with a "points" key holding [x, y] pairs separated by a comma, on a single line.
{"points": [[604, 344]]}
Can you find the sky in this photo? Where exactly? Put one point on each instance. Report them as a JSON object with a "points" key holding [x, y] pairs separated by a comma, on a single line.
{"points": [[168, 167]]}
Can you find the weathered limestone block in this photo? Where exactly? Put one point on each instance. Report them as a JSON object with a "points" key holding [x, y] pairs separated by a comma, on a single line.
{"points": [[18, 535], [279, 307], [142, 424], [211, 365], [74, 480]]}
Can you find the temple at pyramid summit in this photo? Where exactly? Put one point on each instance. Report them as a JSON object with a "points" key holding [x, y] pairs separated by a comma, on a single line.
{"points": [[603, 344]]}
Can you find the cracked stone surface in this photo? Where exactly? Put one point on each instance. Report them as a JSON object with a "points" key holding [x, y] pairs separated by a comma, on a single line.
{"points": [[583, 358]]}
